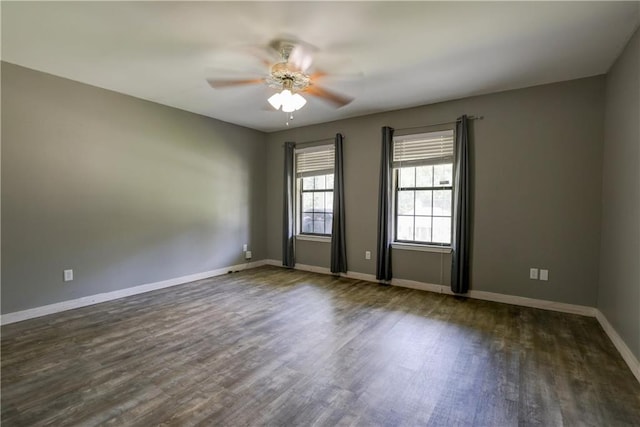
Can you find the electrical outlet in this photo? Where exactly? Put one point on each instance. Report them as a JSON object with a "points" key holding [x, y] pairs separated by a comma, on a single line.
{"points": [[247, 255], [367, 255], [544, 275], [533, 273], [244, 247], [68, 275]]}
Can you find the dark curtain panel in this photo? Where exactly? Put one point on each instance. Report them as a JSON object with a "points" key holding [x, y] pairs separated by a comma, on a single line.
{"points": [[338, 239], [385, 232], [288, 231], [461, 210]]}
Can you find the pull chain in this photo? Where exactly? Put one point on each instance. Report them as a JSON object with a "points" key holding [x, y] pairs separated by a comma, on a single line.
{"points": [[289, 118]]}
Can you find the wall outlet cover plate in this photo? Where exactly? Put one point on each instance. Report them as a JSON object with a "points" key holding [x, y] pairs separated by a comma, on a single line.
{"points": [[544, 275]]}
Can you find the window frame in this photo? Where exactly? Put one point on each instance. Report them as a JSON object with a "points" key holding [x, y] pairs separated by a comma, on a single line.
{"points": [[417, 244], [299, 193], [299, 177], [396, 191]]}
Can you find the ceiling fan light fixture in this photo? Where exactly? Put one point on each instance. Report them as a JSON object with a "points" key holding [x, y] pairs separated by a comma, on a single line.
{"points": [[288, 105], [298, 101], [289, 102], [275, 100]]}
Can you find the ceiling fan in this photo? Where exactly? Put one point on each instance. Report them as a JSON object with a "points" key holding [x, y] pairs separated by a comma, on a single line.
{"points": [[289, 61]]}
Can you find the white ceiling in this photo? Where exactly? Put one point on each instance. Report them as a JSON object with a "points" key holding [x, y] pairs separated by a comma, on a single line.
{"points": [[409, 53]]}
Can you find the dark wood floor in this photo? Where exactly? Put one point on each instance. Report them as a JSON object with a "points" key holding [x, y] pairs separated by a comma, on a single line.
{"points": [[281, 347]]}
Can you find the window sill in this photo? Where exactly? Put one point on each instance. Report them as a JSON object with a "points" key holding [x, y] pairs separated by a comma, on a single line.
{"points": [[310, 238], [421, 248]]}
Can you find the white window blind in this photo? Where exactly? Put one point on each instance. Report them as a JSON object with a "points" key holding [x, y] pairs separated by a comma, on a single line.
{"points": [[314, 161], [423, 149]]}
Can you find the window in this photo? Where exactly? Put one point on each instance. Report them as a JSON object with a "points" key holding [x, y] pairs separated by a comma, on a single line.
{"points": [[423, 187], [314, 181]]}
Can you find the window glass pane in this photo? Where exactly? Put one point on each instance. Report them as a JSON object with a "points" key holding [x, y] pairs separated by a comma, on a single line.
{"points": [[318, 226], [307, 202], [407, 177], [307, 183], [328, 219], [318, 202], [405, 202], [423, 228], [442, 202], [442, 175], [328, 201], [319, 182], [329, 181], [441, 230], [423, 202], [405, 228], [307, 223], [424, 176]]}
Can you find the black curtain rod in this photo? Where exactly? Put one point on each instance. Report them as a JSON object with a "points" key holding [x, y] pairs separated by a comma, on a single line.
{"points": [[314, 141], [413, 127], [440, 124], [317, 140]]}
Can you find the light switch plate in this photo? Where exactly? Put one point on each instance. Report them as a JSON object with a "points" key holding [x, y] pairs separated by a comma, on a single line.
{"points": [[68, 275], [367, 255], [533, 273]]}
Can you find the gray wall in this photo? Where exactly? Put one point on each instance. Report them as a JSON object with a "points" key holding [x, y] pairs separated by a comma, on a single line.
{"points": [[619, 290], [123, 191], [537, 175], [128, 192]]}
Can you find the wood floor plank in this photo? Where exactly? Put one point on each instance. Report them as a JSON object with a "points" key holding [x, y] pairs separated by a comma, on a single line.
{"points": [[272, 346]]}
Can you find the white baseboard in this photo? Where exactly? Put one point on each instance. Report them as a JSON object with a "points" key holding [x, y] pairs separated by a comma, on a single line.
{"points": [[619, 343], [324, 270], [502, 298], [273, 262], [31, 313], [582, 310]]}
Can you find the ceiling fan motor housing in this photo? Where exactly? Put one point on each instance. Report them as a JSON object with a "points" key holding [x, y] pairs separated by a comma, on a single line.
{"points": [[285, 75], [282, 77]]}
